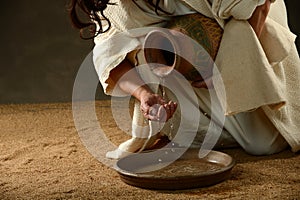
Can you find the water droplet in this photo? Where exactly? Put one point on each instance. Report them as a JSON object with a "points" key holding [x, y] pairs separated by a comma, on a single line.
{"points": [[159, 160], [166, 152], [173, 150], [171, 126]]}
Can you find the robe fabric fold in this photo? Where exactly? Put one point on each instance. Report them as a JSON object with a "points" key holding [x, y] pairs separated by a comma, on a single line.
{"points": [[256, 72]]}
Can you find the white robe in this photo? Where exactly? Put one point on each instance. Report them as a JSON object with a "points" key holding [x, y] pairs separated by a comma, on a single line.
{"points": [[263, 74]]}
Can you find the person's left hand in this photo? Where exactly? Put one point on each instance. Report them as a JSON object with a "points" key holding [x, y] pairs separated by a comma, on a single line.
{"points": [[207, 83], [258, 18], [154, 107]]}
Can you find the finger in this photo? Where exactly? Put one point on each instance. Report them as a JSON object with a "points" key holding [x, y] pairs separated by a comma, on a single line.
{"points": [[175, 104], [153, 110], [208, 84], [168, 112], [162, 114], [174, 107], [151, 114], [144, 111], [145, 108], [199, 84], [150, 117], [171, 108], [157, 99]]}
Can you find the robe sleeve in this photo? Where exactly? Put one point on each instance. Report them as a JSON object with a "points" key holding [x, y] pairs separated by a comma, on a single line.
{"points": [[249, 66], [238, 9], [129, 25], [110, 49]]}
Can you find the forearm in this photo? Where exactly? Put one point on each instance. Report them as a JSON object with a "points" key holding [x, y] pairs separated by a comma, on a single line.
{"points": [[258, 18], [129, 80]]}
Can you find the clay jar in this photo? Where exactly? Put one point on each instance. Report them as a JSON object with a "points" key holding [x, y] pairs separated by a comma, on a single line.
{"points": [[189, 45]]}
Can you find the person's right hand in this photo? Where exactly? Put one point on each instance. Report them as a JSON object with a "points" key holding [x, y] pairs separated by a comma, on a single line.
{"points": [[154, 107]]}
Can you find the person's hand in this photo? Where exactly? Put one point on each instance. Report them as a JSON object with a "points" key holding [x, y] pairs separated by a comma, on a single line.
{"points": [[258, 18], [155, 108], [208, 83]]}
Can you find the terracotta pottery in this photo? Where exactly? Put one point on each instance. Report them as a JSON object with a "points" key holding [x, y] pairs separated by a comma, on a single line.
{"points": [[174, 169], [190, 46]]}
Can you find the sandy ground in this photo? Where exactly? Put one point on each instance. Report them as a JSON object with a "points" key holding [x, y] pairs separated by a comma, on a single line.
{"points": [[42, 157]]}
